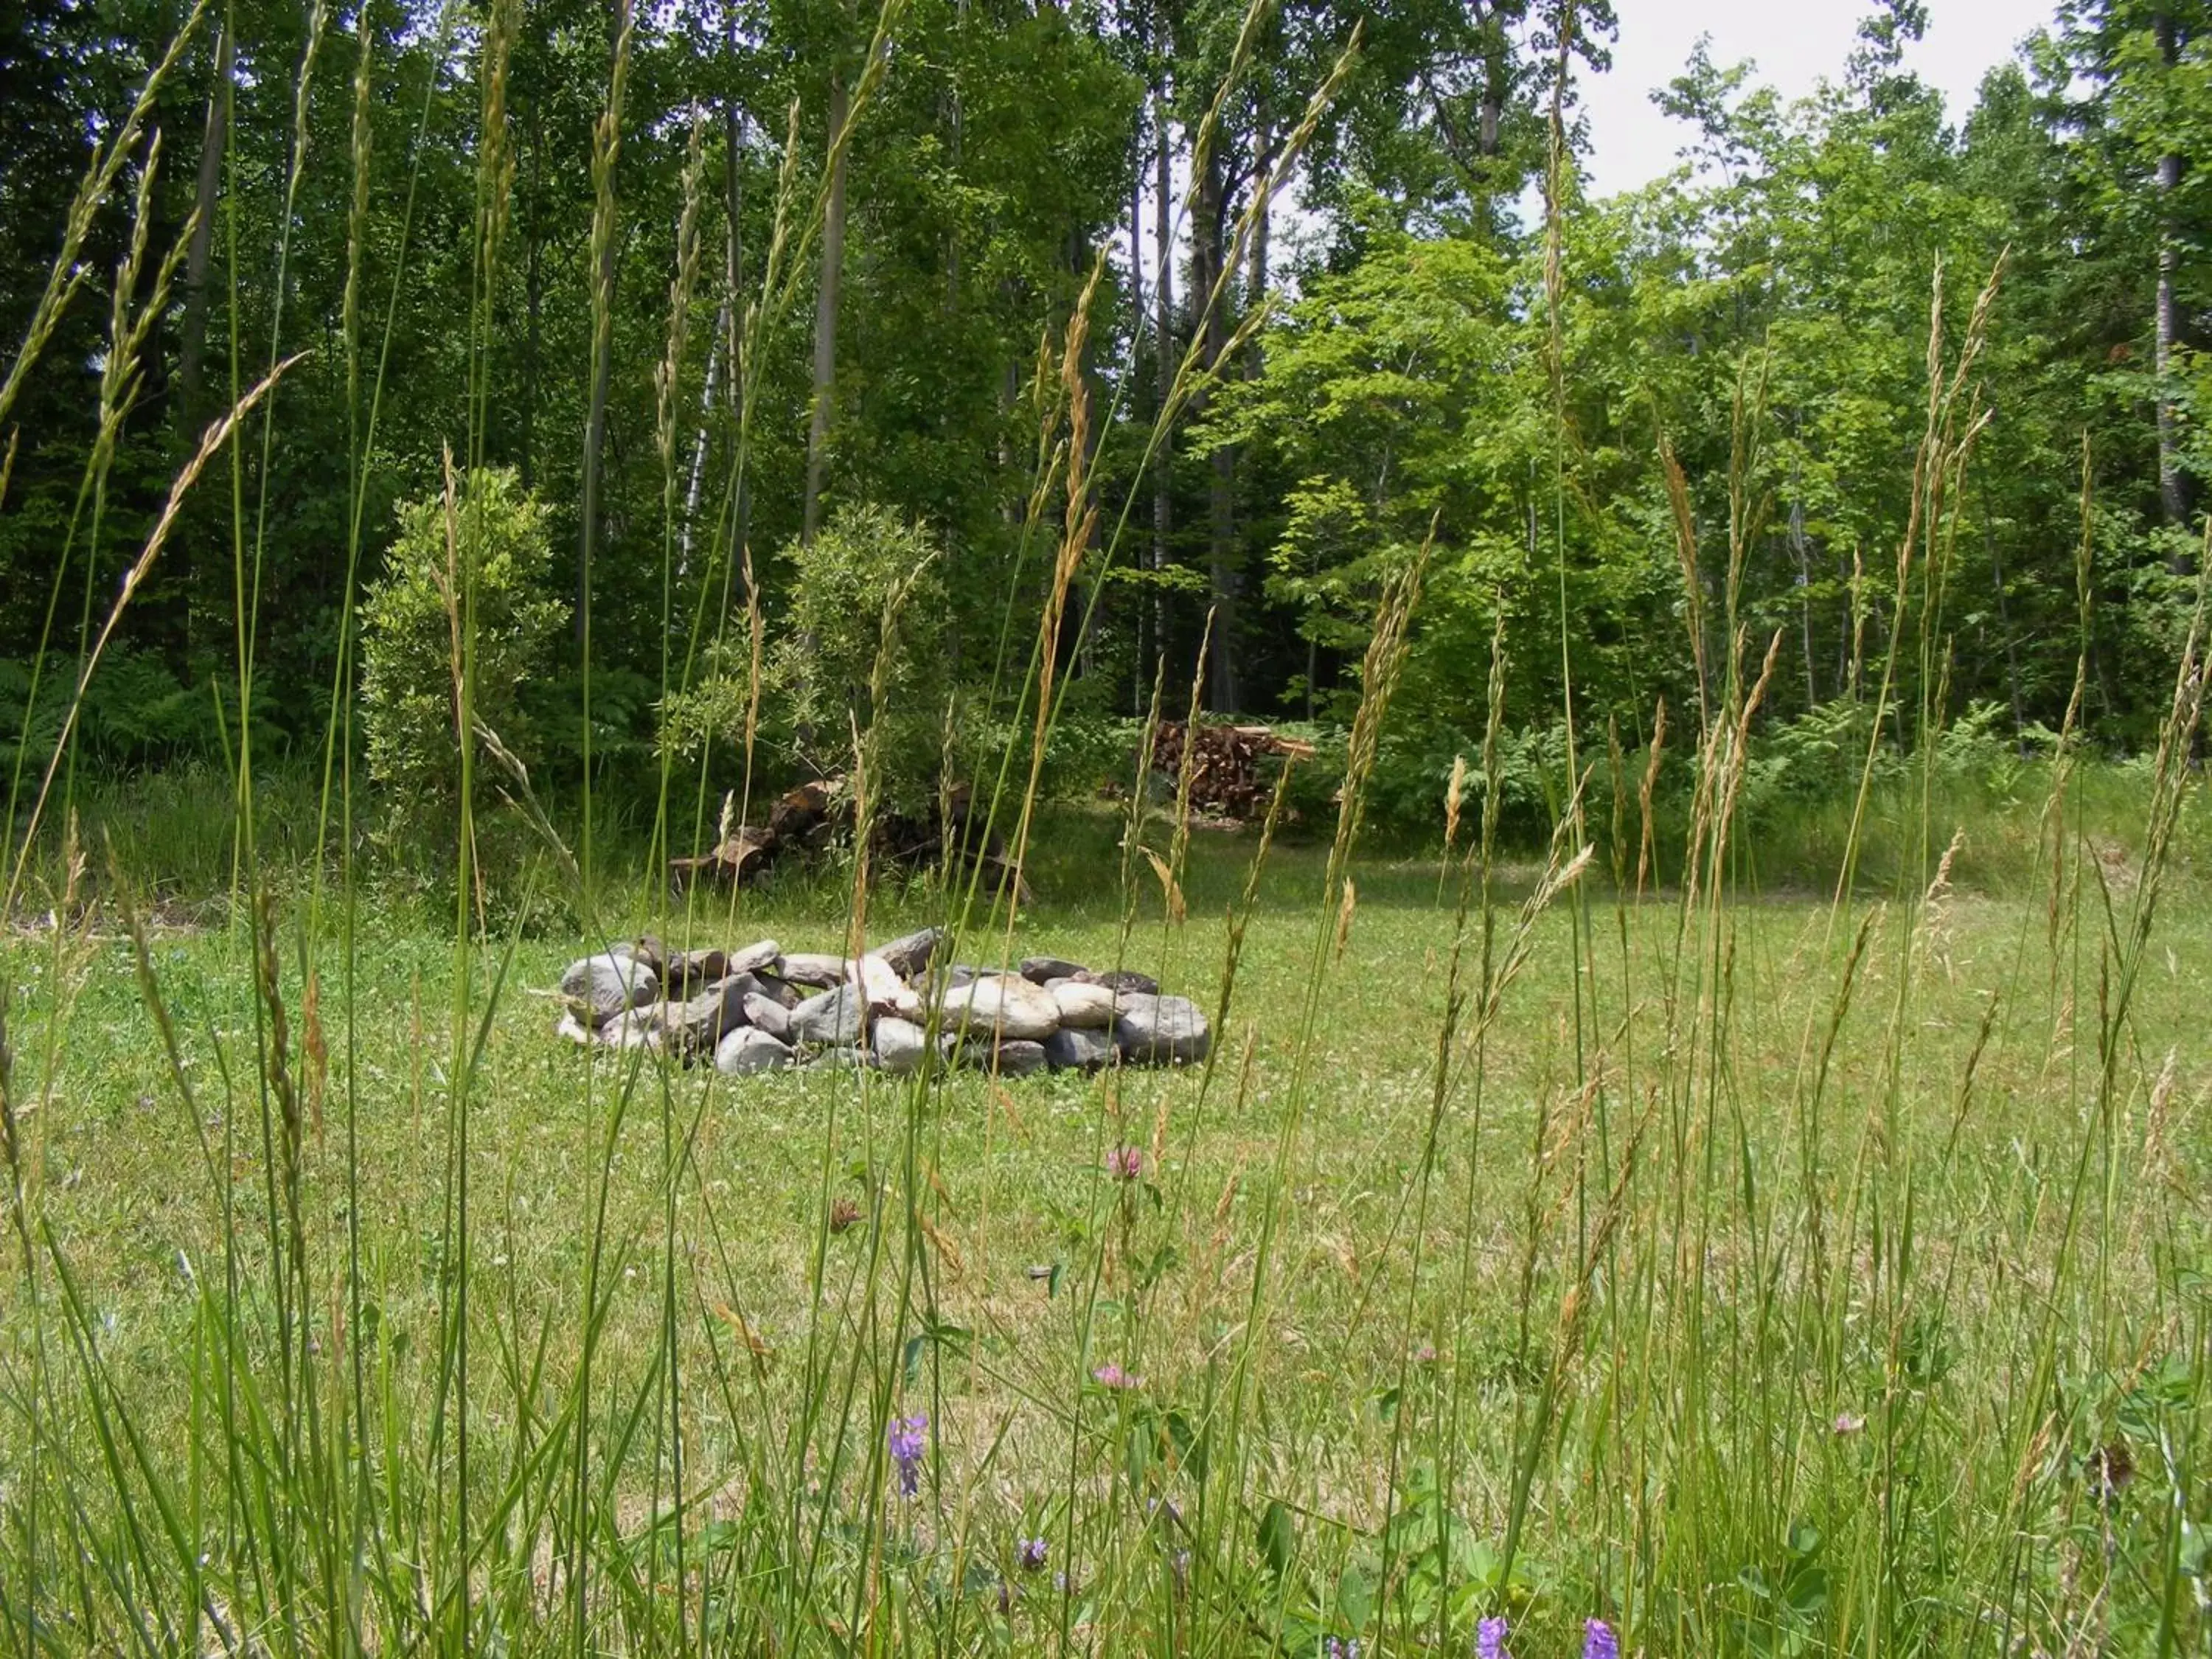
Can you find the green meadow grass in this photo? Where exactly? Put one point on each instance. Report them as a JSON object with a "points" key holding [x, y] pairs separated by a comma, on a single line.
{"points": [[1741, 1362]]}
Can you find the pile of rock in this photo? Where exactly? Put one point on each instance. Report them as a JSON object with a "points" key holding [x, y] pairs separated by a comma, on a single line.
{"points": [[763, 1008]]}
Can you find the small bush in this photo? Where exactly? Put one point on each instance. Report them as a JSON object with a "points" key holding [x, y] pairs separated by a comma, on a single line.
{"points": [[488, 579], [862, 647]]}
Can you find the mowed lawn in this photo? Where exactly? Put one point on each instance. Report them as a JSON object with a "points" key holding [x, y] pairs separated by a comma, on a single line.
{"points": [[1751, 1313]]}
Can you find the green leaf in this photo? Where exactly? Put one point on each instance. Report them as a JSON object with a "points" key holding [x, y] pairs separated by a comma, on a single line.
{"points": [[1279, 1540]]}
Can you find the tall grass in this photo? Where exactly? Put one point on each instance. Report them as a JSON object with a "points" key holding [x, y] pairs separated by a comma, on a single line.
{"points": [[1758, 1279]]}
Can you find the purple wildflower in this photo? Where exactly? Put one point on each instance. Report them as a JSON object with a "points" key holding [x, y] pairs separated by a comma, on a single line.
{"points": [[1029, 1553], [1598, 1640], [905, 1437], [1110, 1376], [1347, 1648], [1490, 1638], [1125, 1164]]}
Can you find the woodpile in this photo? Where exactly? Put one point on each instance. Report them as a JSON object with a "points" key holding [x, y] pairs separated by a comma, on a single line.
{"points": [[818, 815], [1228, 779]]}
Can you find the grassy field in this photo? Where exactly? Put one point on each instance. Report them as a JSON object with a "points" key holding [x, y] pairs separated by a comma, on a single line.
{"points": [[1756, 1276]]}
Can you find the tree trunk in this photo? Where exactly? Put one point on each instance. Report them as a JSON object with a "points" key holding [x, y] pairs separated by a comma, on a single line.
{"points": [[2173, 486], [1164, 363], [1137, 311], [825, 318], [193, 350], [1797, 544], [734, 281], [1255, 289], [533, 294], [691, 489], [1208, 223]]}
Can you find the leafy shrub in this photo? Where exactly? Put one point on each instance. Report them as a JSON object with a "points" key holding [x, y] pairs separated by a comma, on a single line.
{"points": [[1413, 769], [493, 570], [863, 648], [1816, 757]]}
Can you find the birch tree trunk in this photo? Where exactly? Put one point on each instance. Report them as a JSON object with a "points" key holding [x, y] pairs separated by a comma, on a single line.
{"points": [[2173, 486], [1208, 217], [1164, 356]]}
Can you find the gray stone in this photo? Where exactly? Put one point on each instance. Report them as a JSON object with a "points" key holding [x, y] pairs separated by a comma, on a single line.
{"points": [[696, 1029], [1038, 969], [832, 1019], [909, 954], [1072, 1048], [1091, 1006], [689, 972], [845, 1057], [1123, 979], [633, 1028], [900, 1044], [748, 1050], [1013, 1057], [1001, 1005], [809, 968], [597, 988], [1161, 1030], [761, 954], [769, 1015], [961, 973], [775, 986]]}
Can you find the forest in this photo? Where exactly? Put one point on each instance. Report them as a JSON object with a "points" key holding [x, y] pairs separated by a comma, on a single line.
{"points": [[709, 280]]}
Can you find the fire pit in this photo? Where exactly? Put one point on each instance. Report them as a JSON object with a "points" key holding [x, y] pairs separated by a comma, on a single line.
{"points": [[895, 1009]]}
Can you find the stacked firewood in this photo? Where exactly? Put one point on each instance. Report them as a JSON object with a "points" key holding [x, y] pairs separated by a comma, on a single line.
{"points": [[818, 815], [1227, 777]]}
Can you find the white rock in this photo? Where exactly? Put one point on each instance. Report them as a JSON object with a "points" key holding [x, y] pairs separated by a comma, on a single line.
{"points": [[886, 992], [1011, 1008], [1090, 1007]]}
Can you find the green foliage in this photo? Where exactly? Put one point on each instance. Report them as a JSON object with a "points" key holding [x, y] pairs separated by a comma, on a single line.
{"points": [[138, 711], [861, 649], [462, 599]]}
